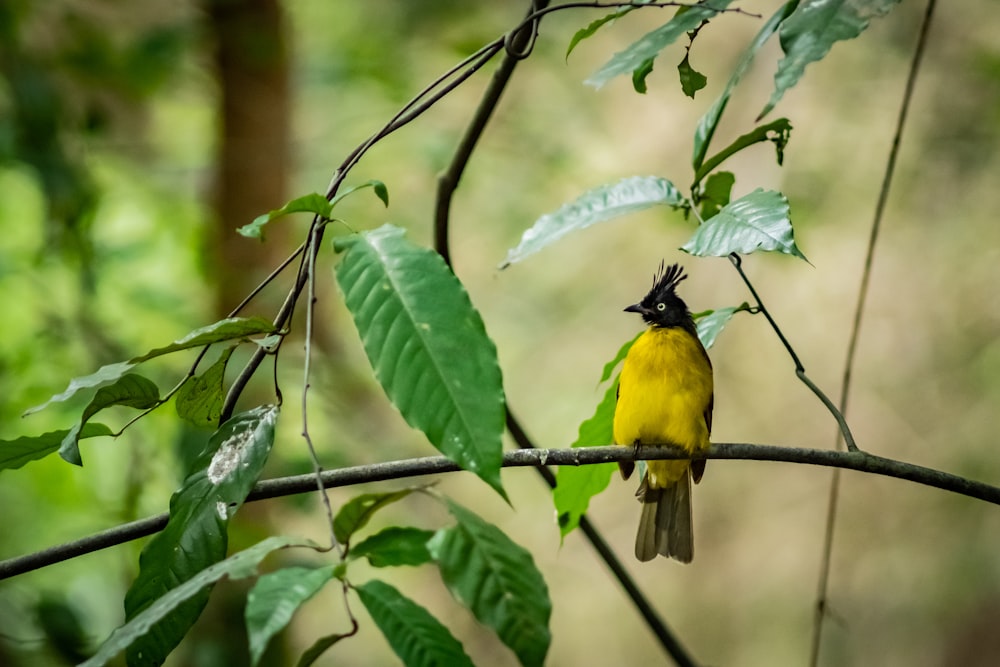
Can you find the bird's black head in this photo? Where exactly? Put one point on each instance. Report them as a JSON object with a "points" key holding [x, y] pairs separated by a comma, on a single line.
{"points": [[662, 307]]}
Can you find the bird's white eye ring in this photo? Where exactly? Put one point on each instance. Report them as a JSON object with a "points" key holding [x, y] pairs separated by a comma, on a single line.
{"points": [[661, 307]]}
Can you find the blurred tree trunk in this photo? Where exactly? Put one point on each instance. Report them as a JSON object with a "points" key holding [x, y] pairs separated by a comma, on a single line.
{"points": [[253, 161], [252, 168]]}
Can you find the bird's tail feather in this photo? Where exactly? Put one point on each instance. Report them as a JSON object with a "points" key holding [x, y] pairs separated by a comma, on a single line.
{"points": [[665, 524]]}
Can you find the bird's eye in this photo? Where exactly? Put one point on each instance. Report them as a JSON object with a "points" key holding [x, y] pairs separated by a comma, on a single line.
{"points": [[661, 307]]}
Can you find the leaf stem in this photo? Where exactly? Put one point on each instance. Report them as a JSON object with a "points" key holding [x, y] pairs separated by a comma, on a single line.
{"points": [[800, 370]]}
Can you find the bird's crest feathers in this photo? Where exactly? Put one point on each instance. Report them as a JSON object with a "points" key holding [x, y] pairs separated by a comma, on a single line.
{"points": [[666, 280]]}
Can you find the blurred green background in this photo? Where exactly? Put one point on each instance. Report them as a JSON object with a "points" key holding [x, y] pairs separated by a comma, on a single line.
{"points": [[134, 138]]}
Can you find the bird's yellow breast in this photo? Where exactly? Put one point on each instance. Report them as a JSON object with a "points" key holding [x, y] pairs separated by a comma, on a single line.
{"points": [[665, 389]]}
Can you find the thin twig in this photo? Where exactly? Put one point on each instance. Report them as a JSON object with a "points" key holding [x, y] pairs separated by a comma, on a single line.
{"points": [[859, 309], [800, 370], [311, 252], [267, 281], [431, 465], [417, 106], [637, 5]]}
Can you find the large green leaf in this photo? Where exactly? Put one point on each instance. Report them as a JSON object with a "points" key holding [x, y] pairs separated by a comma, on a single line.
{"points": [[427, 345], [237, 566], [394, 546], [710, 121], [418, 638], [275, 598], [576, 485], [199, 400], [131, 390], [497, 580], [227, 329], [15, 453], [195, 536], [649, 45], [358, 511], [757, 221], [812, 30], [602, 203]]}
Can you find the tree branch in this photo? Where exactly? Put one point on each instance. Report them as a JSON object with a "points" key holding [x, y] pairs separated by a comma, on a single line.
{"points": [[520, 42], [434, 465]]}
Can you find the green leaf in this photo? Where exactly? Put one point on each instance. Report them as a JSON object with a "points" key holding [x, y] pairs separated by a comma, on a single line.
{"points": [[649, 45], [237, 566], [358, 511], [711, 323], [227, 329], [314, 203], [600, 204], [232, 328], [594, 26], [576, 485], [427, 345], [710, 121], [812, 30], [609, 367], [691, 79], [275, 598], [63, 625], [757, 221], [418, 638], [195, 536], [395, 546], [378, 187], [319, 647], [497, 580], [640, 74], [131, 390], [15, 453], [199, 400], [777, 132], [716, 193], [103, 376]]}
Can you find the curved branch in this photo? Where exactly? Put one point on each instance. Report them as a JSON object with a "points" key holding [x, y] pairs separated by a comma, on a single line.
{"points": [[521, 40], [432, 465]]}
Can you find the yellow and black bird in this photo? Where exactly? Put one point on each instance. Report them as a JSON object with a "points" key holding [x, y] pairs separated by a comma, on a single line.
{"points": [[665, 397]]}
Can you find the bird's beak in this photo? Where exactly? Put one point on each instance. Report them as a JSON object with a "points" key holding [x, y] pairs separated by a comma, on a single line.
{"points": [[635, 308]]}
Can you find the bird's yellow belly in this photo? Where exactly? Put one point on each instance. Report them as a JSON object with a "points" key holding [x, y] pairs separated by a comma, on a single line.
{"points": [[665, 388]]}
